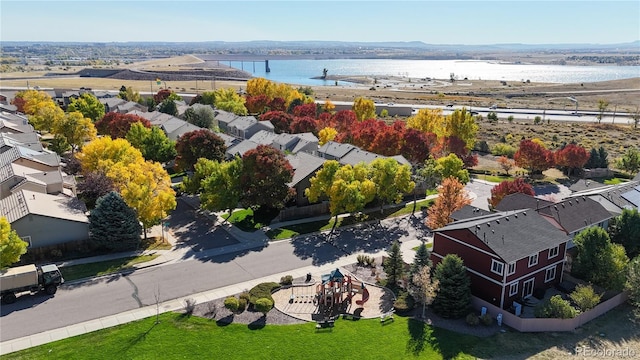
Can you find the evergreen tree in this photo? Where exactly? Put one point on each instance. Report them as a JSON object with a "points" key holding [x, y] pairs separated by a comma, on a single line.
{"points": [[113, 224], [594, 159], [603, 162], [454, 295], [394, 265], [421, 260], [168, 106]]}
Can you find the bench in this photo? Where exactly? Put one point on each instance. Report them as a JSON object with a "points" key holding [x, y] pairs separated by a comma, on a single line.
{"points": [[386, 316]]}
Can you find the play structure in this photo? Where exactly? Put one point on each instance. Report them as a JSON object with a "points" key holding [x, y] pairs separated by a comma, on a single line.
{"points": [[336, 289]]}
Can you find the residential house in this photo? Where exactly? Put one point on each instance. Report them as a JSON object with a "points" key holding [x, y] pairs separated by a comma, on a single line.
{"points": [[240, 148], [295, 143], [111, 104], [468, 212], [305, 166], [14, 123], [175, 127], [332, 150], [245, 127], [611, 196], [264, 137], [507, 255], [46, 220], [224, 118]]}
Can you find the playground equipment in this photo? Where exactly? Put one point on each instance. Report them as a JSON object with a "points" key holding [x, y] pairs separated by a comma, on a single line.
{"points": [[337, 288]]}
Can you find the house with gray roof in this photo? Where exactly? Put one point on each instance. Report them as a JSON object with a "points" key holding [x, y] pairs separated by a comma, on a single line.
{"points": [[610, 196], [175, 127], [240, 148], [507, 254], [357, 156], [245, 127], [295, 143], [224, 118], [129, 106], [229, 141], [264, 137], [46, 220], [305, 167], [468, 212], [111, 104], [332, 150]]}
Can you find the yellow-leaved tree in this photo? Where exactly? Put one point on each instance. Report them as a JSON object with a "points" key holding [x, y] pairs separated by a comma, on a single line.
{"points": [[74, 129], [427, 120], [229, 100], [33, 99], [392, 180], [364, 109], [45, 116], [462, 125], [326, 134], [11, 245]]}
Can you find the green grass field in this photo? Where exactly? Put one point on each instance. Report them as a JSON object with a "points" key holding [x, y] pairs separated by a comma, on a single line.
{"points": [[179, 337]]}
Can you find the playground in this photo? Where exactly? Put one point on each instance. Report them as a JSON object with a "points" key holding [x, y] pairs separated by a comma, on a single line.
{"points": [[331, 295]]}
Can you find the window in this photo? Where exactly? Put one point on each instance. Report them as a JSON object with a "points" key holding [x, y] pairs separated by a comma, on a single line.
{"points": [[513, 289], [512, 268], [553, 252], [27, 239], [497, 267], [550, 274], [533, 260]]}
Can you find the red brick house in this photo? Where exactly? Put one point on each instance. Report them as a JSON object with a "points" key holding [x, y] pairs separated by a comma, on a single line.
{"points": [[507, 254]]}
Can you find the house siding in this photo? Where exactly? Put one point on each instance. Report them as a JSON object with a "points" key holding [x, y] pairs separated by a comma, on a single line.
{"points": [[47, 231]]}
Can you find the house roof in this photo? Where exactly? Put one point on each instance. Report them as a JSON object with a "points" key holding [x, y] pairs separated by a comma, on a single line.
{"points": [[228, 140], [633, 196], [585, 184], [285, 139], [241, 148], [303, 165], [182, 128], [264, 137], [357, 156], [576, 213], [468, 212], [335, 149], [512, 235], [111, 103], [517, 201], [612, 193], [243, 122], [224, 116], [25, 202], [300, 145]]}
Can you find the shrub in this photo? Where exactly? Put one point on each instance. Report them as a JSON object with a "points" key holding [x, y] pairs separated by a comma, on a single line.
{"points": [[503, 149], [286, 280], [486, 319], [482, 146], [371, 261], [384, 113], [245, 296], [231, 303], [585, 297], [556, 307], [510, 119], [361, 259], [472, 319], [492, 116], [537, 120], [242, 305], [264, 305], [404, 303], [262, 290]]}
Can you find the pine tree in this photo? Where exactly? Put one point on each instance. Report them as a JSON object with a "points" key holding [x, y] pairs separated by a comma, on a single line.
{"points": [[394, 265], [454, 295], [113, 224], [603, 158], [421, 259]]}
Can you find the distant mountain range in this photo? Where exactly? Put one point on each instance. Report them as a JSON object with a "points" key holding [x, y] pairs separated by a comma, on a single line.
{"points": [[415, 45]]}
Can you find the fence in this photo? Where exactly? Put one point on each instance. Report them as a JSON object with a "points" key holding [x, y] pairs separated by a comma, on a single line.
{"points": [[304, 211], [549, 324]]}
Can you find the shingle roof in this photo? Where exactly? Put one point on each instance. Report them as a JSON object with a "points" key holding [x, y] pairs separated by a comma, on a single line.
{"points": [[224, 116], [303, 165], [335, 149], [357, 156], [633, 196], [468, 212], [243, 122], [576, 213], [612, 193], [512, 235], [264, 137], [228, 140], [517, 201], [24, 202], [241, 148]]}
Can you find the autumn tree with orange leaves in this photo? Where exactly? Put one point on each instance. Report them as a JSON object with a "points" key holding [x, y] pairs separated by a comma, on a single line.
{"points": [[451, 197]]}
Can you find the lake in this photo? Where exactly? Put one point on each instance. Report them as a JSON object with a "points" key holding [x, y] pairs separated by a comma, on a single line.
{"points": [[302, 71]]}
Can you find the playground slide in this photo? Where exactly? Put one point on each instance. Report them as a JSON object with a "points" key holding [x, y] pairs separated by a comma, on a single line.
{"points": [[365, 297]]}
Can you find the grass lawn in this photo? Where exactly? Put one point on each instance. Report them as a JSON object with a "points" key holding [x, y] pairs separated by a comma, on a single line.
{"points": [[244, 220], [429, 246], [614, 181], [155, 243], [102, 268], [493, 178], [179, 337]]}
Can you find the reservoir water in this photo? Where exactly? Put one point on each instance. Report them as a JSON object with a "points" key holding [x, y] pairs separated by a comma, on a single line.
{"points": [[302, 71]]}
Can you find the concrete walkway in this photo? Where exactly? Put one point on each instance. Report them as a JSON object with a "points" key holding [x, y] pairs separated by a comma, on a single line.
{"points": [[180, 253]]}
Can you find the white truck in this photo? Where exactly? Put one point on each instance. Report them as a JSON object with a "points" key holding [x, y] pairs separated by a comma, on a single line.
{"points": [[30, 278]]}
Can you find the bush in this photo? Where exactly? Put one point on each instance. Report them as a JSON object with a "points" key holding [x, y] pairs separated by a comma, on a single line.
{"points": [[585, 297], [264, 305], [245, 296], [242, 305], [286, 280], [231, 303], [486, 319], [262, 290], [472, 319], [503, 149], [481, 146], [404, 303], [361, 259], [492, 116], [556, 307], [510, 119], [365, 260], [371, 261]]}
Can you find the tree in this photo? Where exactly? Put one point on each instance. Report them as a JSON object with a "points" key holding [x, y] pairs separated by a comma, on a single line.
{"points": [[303, 125], [93, 186], [328, 106], [258, 104], [128, 94], [394, 265], [427, 121], [199, 144], [421, 259], [75, 129], [263, 305], [625, 230], [452, 166], [363, 133], [571, 157], [321, 182], [309, 109], [200, 116], [585, 297], [603, 157], [326, 134], [113, 224], [46, 116], [594, 159], [602, 107], [392, 180], [364, 109], [344, 120], [423, 288], [632, 285], [388, 140], [220, 185], [266, 173], [153, 143], [28, 101], [533, 156], [229, 100], [556, 307], [117, 125], [88, 105], [598, 260], [462, 125], [102, 154], [507, 187], [12, 247], [165, 94], [454, 292], [630, 161], [168, 106], [451, 197], [281, 121], [505, 163], [417, 145]]}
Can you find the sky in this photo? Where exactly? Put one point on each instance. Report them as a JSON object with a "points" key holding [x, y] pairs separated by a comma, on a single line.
{"points": [[432, 22]]}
